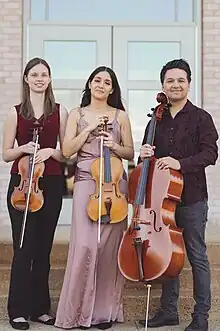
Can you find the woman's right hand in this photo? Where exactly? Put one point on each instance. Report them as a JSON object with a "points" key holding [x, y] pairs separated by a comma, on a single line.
{"points": [[97, 120], [29, 148], [146, 151]]}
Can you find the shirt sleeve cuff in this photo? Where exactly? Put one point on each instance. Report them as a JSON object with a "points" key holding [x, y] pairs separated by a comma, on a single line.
{"points": [[185, 165]]}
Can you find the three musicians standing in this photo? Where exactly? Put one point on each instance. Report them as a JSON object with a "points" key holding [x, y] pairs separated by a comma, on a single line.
{"points": [[92, 291]]}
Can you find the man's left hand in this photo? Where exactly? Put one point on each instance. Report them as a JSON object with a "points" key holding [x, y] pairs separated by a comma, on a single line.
{"points": [[168, 162]]}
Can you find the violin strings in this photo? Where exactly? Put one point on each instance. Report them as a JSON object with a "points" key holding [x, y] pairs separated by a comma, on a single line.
{"points": [[100, 188]]}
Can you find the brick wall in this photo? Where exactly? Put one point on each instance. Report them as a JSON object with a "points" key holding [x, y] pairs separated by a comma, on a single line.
{"points": [[10, 76], [211, 100]]}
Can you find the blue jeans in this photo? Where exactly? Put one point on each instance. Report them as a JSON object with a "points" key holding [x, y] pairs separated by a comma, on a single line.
{"points": [[193, 220]]}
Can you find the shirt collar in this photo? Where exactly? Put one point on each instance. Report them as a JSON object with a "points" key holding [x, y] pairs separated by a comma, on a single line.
{"points": [[187, 107]]}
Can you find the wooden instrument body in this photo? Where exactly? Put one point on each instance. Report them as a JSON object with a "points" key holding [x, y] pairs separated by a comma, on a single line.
{"points": [[114, 203], [18, 198]]}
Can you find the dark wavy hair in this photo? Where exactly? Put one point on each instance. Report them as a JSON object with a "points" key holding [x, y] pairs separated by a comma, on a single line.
{"points": [[26, 109], [114, 99], [176, 64]]}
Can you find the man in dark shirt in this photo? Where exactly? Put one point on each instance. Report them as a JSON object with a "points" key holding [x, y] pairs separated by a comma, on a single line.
{"points": [[185, 140]]}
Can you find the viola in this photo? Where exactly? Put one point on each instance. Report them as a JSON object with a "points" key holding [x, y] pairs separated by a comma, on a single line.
{"points": [[108, 201], [152, 247]]}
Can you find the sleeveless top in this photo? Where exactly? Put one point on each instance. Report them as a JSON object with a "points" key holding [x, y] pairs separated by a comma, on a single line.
{"points": [[91, 148], [47, 137]]}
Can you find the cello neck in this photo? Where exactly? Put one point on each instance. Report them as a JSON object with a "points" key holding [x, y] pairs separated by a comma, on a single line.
{"points": [[156, 116], [140, 193]]}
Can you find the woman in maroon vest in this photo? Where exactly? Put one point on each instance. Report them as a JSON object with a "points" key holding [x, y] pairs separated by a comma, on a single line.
{"points": [[29, 291]]}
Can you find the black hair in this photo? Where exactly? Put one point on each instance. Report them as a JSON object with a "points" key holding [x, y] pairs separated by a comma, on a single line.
{"points": [[176, 64], [114, 99]]}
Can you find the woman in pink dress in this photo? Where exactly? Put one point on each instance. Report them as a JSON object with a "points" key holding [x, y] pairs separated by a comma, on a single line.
{"points": [[93, 285]]}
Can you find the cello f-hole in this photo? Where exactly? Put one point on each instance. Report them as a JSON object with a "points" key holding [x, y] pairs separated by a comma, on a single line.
{"points": [[154, 220]]}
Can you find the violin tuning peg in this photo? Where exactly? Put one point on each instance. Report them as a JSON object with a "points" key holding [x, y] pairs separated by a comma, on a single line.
{"points": [[149, 115]]}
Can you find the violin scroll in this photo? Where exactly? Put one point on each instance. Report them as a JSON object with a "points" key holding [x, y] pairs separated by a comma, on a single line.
{"points": [[105, 125]]}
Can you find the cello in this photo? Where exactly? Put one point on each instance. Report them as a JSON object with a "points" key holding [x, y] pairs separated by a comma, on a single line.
{"points": [[152, 247], [107, 205]]}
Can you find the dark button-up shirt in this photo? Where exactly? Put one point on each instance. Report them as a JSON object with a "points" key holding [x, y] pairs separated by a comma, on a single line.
{"points": [[190, 137]]}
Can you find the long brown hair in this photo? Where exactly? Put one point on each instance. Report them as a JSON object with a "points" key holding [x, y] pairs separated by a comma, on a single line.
{"points": [[26, 109]]}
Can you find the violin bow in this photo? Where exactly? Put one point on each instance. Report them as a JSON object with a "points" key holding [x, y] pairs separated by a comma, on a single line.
{"points": [[29, 192], [100, 187], [147, 309]]}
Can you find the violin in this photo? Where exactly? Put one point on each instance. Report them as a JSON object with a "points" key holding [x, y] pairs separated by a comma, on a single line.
{"points": [[30, 174], [107, 203], [27, 197], [152, 247]]}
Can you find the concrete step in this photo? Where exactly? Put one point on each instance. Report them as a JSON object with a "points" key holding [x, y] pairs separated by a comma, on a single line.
{"points": [[135, 293], [135, 304], [60, 251], [57, 276]]}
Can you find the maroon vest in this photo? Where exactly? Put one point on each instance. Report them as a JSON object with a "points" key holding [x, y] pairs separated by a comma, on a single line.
{"points": [[47, 138]]}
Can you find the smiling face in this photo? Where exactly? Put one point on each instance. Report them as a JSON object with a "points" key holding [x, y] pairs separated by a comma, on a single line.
{"points": [[176, 85], [38, 78], [101, 86]]}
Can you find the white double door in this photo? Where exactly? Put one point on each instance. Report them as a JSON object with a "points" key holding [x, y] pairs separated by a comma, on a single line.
{"points": [[136, 54]]}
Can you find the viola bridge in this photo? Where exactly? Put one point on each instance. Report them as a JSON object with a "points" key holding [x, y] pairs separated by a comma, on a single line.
{"points": [[144, 222]]}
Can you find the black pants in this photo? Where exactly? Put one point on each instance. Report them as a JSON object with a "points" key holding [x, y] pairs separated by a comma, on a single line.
{"points": [[29, 290], [193, 220]]}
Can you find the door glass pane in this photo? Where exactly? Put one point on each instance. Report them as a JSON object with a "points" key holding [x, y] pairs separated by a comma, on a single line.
{"points": [[123, 10], [146, 59], [37, 10], [185, 10], [151, 10], [78, 58], [68, 98]]}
